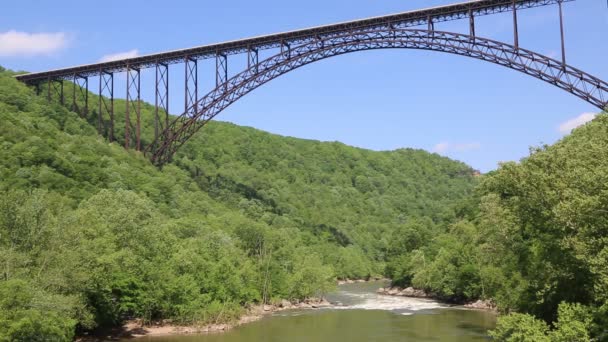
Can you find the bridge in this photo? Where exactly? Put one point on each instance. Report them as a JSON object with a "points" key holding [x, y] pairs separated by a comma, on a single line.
{"points": [[292, 50]]}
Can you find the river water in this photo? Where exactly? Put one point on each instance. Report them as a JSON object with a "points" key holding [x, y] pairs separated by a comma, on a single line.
{"points": [[361, 315]]}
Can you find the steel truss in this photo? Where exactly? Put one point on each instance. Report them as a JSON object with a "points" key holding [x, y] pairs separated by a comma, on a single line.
{"points": [[133, 104], [80, 93], [252, 58], [570, 79], [106, 103], [428, 16], [191, 86], [55, 87], [161, 99], [221, 69]]}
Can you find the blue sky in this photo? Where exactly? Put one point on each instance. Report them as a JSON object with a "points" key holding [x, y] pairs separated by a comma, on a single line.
{"points": [[466, 109]]}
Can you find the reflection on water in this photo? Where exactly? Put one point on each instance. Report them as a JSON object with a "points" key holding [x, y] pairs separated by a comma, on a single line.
{"points": [[360, 315]]}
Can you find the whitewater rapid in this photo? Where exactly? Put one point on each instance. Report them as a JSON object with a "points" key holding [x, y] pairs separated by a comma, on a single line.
{"points": [[374, 301]]}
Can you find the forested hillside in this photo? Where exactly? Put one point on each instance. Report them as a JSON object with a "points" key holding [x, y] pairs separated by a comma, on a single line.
{"points": [[536, 244], [91, 234], [351, 197]]}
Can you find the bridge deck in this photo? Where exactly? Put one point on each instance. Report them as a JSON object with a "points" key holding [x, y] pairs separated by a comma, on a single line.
{"points": [[400, 20]]}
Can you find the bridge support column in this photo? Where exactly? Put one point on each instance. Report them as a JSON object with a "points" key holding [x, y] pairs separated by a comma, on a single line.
{"points": [[133, 103], [106, 102], [320, 42], [161, 99], [61, 97], [55, 86], [561, 28], [252, 59], [221, 70], [286, 46], [471, 24], [80, 91], [431, 25], [191, 87], [515, 30]]}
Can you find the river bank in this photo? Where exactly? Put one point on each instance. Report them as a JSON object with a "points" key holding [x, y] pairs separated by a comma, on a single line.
{"points": [[354, 281], [136, 329], [359, 297], [358, 314], [411, 292]]}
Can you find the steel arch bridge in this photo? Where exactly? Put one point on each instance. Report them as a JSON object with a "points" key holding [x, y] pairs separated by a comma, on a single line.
{"points": [[574, 81], [299, 48]]}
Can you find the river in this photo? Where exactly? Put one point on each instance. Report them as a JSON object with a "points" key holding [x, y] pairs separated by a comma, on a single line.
{"points": [[360, 315]]}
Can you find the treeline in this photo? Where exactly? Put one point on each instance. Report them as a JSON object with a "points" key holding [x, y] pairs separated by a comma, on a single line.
{"points": [[534, 240], [91, 234]]}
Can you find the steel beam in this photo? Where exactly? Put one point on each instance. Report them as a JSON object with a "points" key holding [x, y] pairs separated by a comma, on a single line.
{"points": [[221, 70], [61, 97], [106, 103], [161, 101], [55, 86], [74, 104], [561, 28], [191, 86], [583, 85], [295, 38], [320, 41], [515, 30], [252, 58], [80, 91], [286, 47], [133, 103], [471, 24]]}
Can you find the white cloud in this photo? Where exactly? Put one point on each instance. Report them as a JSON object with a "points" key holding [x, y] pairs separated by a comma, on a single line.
{"points": [[552, 54], [444, 147], [566, 127], [14, 43], [441, 147], [119, 56]]}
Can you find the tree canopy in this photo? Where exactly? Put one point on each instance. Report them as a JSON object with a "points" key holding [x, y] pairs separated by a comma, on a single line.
{"points": [[92, 234]]}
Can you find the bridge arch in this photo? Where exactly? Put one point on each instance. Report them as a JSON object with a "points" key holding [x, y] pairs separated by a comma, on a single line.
{"points": [[583, 85]]}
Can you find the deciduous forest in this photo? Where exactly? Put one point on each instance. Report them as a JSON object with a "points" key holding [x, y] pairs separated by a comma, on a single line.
{"points": [[92, 234]]}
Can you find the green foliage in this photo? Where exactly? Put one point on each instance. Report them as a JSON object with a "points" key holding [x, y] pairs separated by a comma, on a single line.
{"points": [[520, 328], [338, 194], [91, 234], [537, 240], [27, 314], [573, 324]]}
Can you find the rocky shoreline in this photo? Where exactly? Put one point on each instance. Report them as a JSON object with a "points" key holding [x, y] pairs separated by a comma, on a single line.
{"points": [[135, 328], [353, 281], [418, 293]]}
